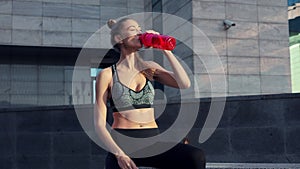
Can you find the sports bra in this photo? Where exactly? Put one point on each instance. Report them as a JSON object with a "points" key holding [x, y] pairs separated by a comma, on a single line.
{"points": [[124, 98]]}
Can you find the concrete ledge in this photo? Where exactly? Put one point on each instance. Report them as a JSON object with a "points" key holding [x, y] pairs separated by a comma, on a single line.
{"points": [[247, 166], [253, 165]]}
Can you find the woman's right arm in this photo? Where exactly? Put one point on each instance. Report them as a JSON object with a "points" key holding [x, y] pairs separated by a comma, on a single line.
{"points": [[102, 85]]}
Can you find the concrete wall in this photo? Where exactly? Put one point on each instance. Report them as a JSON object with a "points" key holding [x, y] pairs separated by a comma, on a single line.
{"points": [[63, 23], [255, 52], [28, 76], [253, 129], [35, 76]]}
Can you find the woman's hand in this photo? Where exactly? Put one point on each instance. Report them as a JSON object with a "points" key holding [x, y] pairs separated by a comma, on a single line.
{"points": [[152, 31], [125, 162]]}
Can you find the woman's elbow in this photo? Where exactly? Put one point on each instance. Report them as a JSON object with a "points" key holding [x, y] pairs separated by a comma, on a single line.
{"points": [[185, 85], [188, 85]]}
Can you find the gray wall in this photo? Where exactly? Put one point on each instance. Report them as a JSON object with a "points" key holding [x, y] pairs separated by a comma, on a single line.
{"points": [[63, 23], [262, 129], [52, 23], [254, 54]]}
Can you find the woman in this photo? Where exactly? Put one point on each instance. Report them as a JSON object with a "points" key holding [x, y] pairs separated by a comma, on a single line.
{"points": [[127, 85]]}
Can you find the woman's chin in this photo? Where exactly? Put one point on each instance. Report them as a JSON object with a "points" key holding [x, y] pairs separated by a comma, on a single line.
{"points": [[139, 46]]}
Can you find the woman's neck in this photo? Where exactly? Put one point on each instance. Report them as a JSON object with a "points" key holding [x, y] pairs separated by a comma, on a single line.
{"points": [[128, 60]]}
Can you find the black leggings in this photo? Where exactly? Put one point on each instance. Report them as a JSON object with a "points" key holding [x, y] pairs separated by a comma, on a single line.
{"points": [[181, 156]]}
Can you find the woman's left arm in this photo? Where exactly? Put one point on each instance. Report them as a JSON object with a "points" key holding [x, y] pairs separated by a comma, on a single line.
{"points": [[178, 78]]}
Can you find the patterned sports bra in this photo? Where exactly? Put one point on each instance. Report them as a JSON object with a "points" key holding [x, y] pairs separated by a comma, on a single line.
{"points": [[124, 98]]}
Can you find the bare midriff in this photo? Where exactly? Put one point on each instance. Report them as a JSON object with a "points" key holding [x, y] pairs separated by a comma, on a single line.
{"points": [[134, 119]]}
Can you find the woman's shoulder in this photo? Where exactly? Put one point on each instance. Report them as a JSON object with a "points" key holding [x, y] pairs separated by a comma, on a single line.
{"points": [[105, 74]]}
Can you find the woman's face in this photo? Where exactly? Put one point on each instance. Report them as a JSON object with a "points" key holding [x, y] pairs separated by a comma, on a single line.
{"points": [[129, 33]]}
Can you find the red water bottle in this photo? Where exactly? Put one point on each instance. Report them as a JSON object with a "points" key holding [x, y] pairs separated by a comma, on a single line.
{"points": [[158, 41]]}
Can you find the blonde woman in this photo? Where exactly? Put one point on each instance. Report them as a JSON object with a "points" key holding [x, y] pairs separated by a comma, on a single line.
{"points": [[127, 85]]}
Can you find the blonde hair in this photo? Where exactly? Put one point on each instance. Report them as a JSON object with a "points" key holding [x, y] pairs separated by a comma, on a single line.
{"points": [[115, 27], [111, 23]]}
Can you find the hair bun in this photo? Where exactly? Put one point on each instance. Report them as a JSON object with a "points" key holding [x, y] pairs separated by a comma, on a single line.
{"points": [[111, 23]]}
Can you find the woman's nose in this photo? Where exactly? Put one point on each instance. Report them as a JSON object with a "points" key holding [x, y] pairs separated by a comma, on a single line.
{"points": [[138, 31]]}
